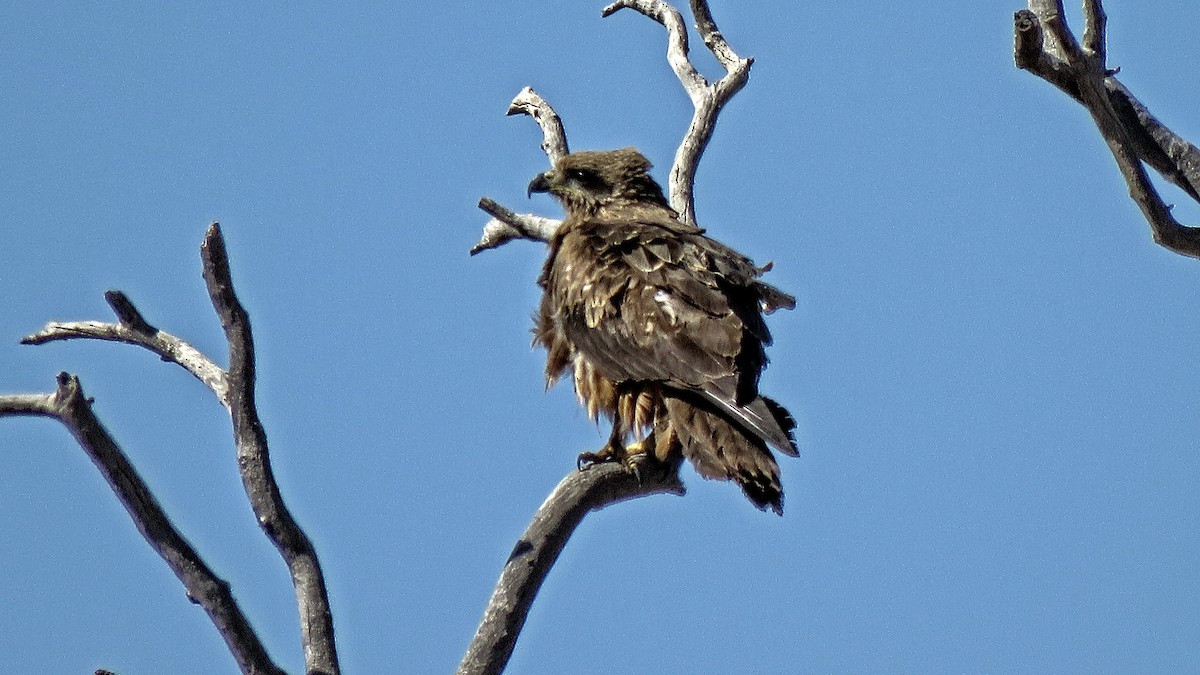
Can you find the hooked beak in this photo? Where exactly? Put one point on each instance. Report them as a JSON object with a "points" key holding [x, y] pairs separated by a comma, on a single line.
{"points": [[539, 184]]}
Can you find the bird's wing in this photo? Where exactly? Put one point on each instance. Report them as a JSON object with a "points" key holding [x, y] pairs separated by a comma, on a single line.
{"points": [[649, 298]]}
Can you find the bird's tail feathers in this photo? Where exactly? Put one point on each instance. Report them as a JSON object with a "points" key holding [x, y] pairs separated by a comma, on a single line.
{"points": [[786, 423], [721, 450], [762, 417]]}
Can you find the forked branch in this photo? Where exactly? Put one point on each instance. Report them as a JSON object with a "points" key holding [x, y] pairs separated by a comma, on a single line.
{"points": [[507, 225], [1045, 46], [69, 406], [707, 99], [234, 388], [133, 329]]}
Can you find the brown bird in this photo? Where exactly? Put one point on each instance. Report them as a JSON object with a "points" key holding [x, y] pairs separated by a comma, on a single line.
{"points": [[661, 327]]}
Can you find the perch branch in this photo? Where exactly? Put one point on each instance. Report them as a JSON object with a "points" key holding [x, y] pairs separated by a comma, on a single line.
{"points": [[312, 598], [70, 407], [1045, 46], [537, 550]]}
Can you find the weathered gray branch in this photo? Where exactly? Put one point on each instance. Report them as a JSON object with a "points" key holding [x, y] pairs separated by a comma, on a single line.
{"points": [[312, 598], [235, 390], [708, 99], [133, 329], [554, 137], [538, 548], [1045, 46], [70, 407], [507, 225]]}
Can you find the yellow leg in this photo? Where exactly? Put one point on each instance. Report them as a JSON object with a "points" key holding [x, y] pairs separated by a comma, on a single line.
{"points": [[633, 456]]}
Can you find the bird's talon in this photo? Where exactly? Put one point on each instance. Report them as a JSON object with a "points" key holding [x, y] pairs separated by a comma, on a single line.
{"points": [[586, 460], [634, 465], [635, 458]]}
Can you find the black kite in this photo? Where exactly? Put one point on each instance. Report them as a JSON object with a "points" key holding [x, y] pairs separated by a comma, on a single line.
{"points": [[661, 327]]}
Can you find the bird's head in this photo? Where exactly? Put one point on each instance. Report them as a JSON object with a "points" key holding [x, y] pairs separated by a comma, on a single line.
{"points": [[586, 182]]}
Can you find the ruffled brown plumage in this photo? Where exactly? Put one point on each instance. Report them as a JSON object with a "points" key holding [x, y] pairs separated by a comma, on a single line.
{"points": [[660, 326]]}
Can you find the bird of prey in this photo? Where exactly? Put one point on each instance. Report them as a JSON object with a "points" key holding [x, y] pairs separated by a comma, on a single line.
{"points": [[660, 326]]}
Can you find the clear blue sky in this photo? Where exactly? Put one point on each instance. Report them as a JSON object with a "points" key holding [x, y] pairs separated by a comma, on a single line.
{"points": [[995, 371]]}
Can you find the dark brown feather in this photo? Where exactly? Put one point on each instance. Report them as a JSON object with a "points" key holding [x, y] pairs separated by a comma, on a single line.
{"points": [[721, 451]]}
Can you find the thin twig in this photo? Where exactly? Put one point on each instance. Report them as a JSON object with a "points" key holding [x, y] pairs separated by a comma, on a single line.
{"points": [[70, 407], [507, 225], [312, 598], [1045, 47], [538, 548]]}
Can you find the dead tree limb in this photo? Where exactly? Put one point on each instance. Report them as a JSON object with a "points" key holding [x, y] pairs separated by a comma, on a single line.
{"points": [[234, 388], [133, 329], [707, 99], [1045, 46], [584, 491], [580, 493], [554, 136], [312, 598], [69, 406], [507, 225]]}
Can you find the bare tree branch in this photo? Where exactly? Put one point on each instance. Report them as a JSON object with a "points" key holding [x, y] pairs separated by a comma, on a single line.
{"points": [[69, 406], [235, 390], [1095, 27], [1045, 47], [507, 225], [538, 548], [312, 598], [133, 329], [554, 137], [707, 99]]}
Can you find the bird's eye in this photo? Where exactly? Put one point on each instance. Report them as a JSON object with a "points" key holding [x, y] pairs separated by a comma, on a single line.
{"points": [[579, 175]]}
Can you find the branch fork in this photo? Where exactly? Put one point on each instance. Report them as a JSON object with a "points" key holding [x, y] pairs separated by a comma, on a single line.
{"points": [[234, 388], [1045, 46]]}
